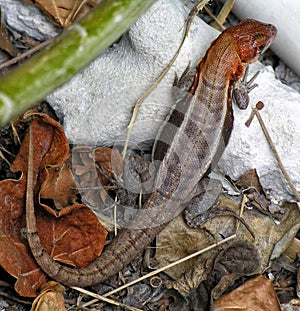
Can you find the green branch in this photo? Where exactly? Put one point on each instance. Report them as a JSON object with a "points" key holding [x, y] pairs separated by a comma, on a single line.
{"points": [[75, 48]]}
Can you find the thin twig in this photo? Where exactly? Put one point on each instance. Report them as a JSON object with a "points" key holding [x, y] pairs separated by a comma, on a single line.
{"points": [[139, 102], [4, 158], [275, 153], [15, 133], [108, 300], [244, 200], [27, 53], [115, 216], [258, 106]]}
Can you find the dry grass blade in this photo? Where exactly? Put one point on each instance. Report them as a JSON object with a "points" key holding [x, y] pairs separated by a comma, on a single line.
{"points": [[4, 158], [102, 298], [244, 201], [218, 24], [29, 188], [226, 9]]}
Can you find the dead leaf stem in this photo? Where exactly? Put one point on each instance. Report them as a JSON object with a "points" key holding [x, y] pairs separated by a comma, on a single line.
{"points": [[30, 218]]}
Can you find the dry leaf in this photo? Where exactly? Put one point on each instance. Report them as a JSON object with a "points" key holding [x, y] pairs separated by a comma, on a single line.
{"points": [[5, 43], [250, 180], [64, 12], [59, 185], [50, 150], [109, 162], [50, 298], [239, 259], [75, 237], [177, 241], [254, 295], [15, 258], [94, 169]]}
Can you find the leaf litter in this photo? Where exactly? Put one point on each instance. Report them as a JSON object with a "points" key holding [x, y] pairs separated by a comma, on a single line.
{"points": [[206, 268], [73, 235]]}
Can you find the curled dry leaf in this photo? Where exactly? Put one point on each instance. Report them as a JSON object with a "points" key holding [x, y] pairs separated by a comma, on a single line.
{"points": [[64, 12], [250, 180], [94, 170], [50, 150], [59, 186], [254, 295], [239, 259], [109, 162], [50, 298]]}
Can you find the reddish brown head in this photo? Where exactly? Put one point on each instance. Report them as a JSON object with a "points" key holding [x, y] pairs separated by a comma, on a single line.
{"points": [[252, 38]]}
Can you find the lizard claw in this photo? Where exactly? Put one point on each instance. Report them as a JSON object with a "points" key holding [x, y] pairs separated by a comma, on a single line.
{"points": [[242, 88]]}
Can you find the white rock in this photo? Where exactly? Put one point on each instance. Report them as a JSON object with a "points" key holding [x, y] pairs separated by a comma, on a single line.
{"points": [[96, 104], [27, 19], [248, 148]]}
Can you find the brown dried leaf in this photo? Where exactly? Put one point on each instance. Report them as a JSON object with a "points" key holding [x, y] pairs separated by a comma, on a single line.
{"points": [[64, 12], [15, 258], [250, 180], [50, 150], [51, 147], [109, 161], [5, 43], [59, 185], [94, 169], [254, 295], [239, 259], [50, 298], [75, 237]]}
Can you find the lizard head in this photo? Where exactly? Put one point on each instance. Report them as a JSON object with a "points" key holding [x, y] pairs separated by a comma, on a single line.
{"points": [[252, 38]]}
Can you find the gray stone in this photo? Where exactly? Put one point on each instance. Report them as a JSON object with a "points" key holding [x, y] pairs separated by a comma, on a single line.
{"points": [[27, 19]]}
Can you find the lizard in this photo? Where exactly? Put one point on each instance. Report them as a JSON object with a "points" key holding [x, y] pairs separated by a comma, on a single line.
{"points": [[192, 140]]}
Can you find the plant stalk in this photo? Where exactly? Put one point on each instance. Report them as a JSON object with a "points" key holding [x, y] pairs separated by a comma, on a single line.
{"points": [[33, 80]]}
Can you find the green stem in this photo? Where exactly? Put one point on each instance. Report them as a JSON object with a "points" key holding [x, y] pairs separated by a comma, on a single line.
{"points": [[75, 48]]}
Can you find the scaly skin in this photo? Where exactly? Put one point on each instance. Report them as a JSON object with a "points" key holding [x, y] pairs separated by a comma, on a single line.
{"points": [[199, 128]]}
